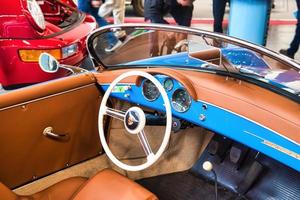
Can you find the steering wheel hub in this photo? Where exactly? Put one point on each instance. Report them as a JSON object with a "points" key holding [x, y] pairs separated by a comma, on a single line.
{"points": [[135, 120]]}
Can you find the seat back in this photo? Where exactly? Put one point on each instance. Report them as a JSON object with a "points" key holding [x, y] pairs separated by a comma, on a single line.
{"points": [[209, 55], [6, 193]]}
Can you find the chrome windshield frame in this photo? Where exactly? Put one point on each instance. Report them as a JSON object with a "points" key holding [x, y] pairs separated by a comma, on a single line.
{"points": [[202, 33]]}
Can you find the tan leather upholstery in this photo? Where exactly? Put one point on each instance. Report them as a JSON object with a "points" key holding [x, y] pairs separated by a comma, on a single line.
{"points": [[108, 76], [6, 193], [110, 185], [62, 190], [70, 106], [207, 54], [14, 97], [106, 185]]}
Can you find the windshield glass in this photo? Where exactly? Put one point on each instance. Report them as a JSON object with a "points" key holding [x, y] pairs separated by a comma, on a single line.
{"points": [[150, 47]]}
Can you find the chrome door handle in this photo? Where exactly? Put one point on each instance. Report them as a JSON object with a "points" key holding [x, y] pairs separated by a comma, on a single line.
{"points": [[48, 132]]}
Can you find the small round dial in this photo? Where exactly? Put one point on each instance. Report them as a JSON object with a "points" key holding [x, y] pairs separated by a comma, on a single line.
{"points": [[150, 91], [168, 84], [181, 100]]}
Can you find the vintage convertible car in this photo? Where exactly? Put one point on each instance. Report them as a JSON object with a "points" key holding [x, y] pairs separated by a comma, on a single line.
{"points": [[185, 113], [30, 27]]}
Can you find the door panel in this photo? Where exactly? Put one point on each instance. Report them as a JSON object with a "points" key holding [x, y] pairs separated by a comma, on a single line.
{"points": [[25, 153]]}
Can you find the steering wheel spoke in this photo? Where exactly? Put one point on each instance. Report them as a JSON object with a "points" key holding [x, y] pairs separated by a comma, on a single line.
{"points": [[145, 144], [117, 114]]}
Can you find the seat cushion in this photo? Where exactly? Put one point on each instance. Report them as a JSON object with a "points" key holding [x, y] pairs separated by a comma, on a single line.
{"points": [[6, 193], [110, 185], [62, 190], [106, 185]]}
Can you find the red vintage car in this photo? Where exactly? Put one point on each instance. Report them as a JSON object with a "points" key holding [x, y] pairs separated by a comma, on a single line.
{"points": [[30, 27]]}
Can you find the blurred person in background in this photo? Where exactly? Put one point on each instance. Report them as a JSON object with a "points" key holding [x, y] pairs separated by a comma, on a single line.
{"points": [[91, 7], [218, 13], [154, 12], [294, 46], [181, 11], [117, 7]]}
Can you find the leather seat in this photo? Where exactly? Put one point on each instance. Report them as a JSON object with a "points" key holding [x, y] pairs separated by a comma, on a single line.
{"points": [[106, 185]]}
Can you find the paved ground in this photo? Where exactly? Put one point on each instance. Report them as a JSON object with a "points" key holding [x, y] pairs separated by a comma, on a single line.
{"points": [[279, 35], [283, 9]]}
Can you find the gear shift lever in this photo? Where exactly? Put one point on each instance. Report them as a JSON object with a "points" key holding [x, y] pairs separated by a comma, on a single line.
{"points": [[208, 166]]}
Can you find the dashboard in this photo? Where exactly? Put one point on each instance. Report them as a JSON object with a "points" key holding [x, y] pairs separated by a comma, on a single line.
{"points": [[218, 104]]}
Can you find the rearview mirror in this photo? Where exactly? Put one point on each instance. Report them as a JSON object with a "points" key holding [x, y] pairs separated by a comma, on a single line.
{"points": [[48, 63]]}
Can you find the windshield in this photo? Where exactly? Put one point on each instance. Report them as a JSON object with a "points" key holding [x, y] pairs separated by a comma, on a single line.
{"points": [[193, 49]]}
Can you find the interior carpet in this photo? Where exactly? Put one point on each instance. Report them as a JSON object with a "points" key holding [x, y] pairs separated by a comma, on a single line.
{"points": [[184, 186]]}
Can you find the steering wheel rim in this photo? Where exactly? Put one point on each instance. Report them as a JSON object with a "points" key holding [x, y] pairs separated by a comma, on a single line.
{"points": [[104, 110]]}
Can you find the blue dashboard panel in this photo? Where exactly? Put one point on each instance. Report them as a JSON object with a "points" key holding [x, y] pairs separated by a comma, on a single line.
{"points": [[221, 121]]}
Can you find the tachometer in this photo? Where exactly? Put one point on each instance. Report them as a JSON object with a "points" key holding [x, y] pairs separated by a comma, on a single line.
{"points": [[181, 100], [168, 84], [150, 91]]}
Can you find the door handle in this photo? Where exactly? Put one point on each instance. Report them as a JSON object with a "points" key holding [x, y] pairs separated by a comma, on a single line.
{"points": [[48, 132]]}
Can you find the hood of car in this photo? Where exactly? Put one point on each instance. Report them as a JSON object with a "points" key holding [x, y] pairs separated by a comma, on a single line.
{"points": [[16, 21]]}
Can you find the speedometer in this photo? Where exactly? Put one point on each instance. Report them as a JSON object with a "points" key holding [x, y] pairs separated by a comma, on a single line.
{"points": [[150, 91], [181, 100]]}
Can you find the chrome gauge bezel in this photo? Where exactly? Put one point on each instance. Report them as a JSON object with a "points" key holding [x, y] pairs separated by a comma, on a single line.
{"points": [[173, 101], [143, 85], [168, 79]]}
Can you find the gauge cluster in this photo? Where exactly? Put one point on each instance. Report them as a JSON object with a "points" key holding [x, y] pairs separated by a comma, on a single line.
{"points": [[150, 91], [179, 97], [168, 84], [181, 100]]}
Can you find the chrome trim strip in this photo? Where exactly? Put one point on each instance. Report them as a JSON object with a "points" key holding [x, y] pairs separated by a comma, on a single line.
{"points": [[276, 146]]}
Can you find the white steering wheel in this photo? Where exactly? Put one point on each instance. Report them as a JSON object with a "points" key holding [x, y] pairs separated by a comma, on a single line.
{"points": [[134, 121]]}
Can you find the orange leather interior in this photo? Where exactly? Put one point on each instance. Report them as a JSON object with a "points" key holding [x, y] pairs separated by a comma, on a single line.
{"points": [[60, 191], [6, 193], [106, 185], [45, 89], [107, 77], [69, 105], [110, 185], [213, 55], [243, 98], [26, 154]]}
